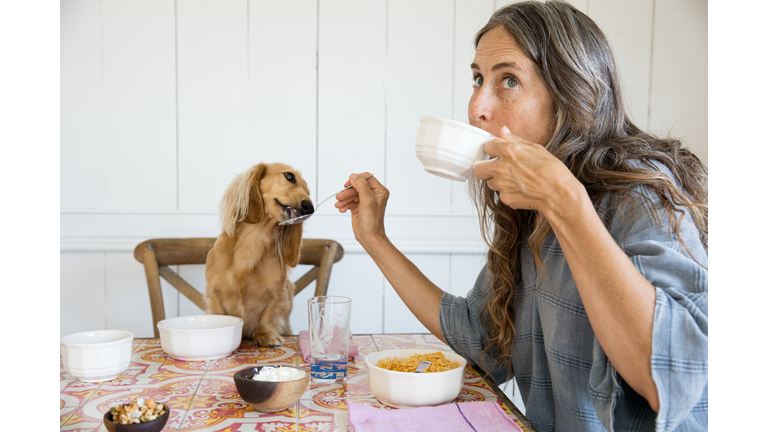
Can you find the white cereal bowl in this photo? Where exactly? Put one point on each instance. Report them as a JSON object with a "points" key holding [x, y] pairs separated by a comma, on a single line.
{"points": [[96, 356], [200, 337], [408, 389]]}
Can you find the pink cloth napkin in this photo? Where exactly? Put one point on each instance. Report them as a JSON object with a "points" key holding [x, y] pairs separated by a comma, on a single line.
{"points": [[455, 417], [304, 346]]}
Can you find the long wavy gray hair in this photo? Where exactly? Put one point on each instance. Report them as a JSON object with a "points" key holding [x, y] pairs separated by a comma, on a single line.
{"points": [[592, 135]]}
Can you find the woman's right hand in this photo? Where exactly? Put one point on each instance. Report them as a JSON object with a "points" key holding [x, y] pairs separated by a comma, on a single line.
{"points": [[367, 201]]}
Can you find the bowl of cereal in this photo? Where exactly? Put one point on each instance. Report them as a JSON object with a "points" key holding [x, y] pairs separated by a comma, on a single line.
{"points": [[141, 415], [392, 377], [271, 388], [200, 337]]}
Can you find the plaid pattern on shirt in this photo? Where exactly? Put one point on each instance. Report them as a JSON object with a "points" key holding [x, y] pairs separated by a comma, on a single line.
{"points": [[566, 381]]}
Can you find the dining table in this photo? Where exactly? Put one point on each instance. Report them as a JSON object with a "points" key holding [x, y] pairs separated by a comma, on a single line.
{"points": [[202, 396]]}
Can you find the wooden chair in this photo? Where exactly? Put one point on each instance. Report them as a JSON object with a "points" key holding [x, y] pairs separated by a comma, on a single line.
{"points": [[158, 254]]}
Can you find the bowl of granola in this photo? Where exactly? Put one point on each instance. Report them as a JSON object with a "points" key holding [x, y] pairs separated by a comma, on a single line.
{"points": [[141, 415]]}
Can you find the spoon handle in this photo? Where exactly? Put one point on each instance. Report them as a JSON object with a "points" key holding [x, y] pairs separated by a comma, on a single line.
{"points": [[318, 204], [423, 366]]}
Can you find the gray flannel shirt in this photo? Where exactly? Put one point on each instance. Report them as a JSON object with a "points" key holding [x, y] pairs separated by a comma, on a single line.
{"points": [[566, 381]]}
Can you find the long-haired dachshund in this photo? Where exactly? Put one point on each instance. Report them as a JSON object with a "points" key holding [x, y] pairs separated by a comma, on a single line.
{"points": [[247, 269]]}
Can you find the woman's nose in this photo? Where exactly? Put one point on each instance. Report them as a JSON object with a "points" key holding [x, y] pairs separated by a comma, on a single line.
{"points": [[480, 108]]}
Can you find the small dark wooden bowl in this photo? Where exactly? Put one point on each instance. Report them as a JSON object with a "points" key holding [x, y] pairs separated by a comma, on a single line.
{"points": [[155, 425], [269, 396]]}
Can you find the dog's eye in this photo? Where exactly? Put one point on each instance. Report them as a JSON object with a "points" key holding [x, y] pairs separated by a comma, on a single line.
{"points": [[290, 177]]}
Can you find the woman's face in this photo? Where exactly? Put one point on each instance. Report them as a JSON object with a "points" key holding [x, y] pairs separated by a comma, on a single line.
{"points": [[508, 91]]}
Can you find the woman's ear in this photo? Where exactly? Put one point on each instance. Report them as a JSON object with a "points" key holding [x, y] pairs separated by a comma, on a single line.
{"points": [[242, 200], [292, 244]]}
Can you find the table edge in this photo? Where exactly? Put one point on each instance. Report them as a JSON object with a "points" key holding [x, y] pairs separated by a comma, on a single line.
{"points": [[499, 393]]}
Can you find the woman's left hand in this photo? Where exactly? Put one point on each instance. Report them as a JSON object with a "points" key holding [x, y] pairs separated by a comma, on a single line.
{"points": [[526, 175]]}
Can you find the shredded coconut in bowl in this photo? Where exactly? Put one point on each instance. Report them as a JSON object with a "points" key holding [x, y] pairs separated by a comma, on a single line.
{"points": [[271, 373]]}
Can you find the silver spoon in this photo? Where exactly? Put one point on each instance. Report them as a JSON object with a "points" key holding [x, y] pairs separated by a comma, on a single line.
{"points": [[301, 219], [423, 366]]}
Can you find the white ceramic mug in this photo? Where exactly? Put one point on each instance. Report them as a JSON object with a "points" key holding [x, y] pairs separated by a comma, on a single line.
{"points": [[450, 149]]}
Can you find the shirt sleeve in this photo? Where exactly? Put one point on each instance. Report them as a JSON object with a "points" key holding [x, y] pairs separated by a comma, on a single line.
{"points": [[463, 330], [678, 272]]}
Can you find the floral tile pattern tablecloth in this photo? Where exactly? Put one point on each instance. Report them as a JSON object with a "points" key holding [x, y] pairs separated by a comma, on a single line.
{"points": [[202, 395]]}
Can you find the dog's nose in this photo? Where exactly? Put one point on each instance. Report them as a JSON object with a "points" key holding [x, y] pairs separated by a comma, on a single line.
{"points": [[307, 207]]}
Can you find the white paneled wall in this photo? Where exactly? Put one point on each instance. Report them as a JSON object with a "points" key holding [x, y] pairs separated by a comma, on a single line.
{"points": [[678, 46], [630, 40], [82, 109], [163, 102], [351, 87]]}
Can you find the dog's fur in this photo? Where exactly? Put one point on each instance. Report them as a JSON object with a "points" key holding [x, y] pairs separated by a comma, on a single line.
{"points": [[247, 269]]}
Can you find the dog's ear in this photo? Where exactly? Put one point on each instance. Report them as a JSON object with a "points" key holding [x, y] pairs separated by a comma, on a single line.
{"points": [[255, 203], [292, 244], [242, 200]]}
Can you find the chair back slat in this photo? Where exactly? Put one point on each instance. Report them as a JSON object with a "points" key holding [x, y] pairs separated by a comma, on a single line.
{"points": [[177, 251], [313, 251], [158, 254], [326, 261]]}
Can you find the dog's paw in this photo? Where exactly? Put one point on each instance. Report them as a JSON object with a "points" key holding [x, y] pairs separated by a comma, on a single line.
{"points": [[267, 339]]}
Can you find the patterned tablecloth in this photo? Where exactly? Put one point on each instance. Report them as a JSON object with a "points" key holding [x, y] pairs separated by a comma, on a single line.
{"points": [[202, 394]]}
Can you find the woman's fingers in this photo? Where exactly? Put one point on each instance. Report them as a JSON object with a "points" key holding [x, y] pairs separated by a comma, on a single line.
{"points": [[500, 146], [501, 149], [348, 198], [506, 134], [524, 174], [488, 169], [348, 204], [367, 207], [362, 184]]}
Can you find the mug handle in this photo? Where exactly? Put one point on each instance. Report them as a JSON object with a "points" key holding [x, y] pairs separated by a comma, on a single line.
{"points": [[476, 163]]}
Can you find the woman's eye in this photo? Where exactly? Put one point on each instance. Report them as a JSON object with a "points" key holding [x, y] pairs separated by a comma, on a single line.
{"points": [[478, 81], [510, 82], [290, 177]]}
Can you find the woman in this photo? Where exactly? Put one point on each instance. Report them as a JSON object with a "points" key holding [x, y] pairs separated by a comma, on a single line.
{"points": [[594, 295]]}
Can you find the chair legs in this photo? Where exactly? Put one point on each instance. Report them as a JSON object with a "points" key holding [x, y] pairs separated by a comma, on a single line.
{"points": [[324, 275]]}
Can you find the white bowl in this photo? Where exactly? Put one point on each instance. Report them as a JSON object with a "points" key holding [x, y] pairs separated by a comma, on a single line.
{"points": [[408, 389], [96, 356], [200, 337], [450, 149]]}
